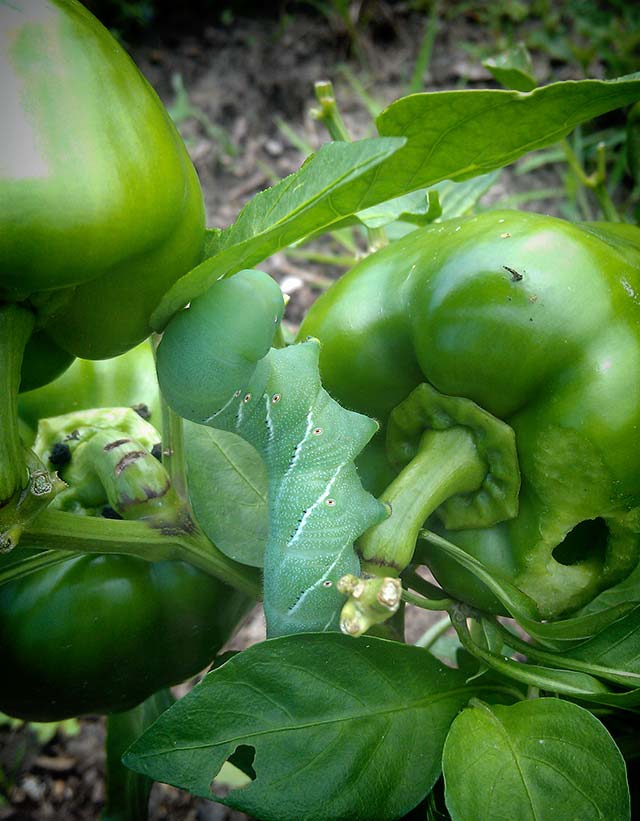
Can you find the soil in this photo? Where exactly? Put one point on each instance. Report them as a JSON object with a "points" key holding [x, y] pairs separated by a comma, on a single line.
{"points": [[250, 83]]}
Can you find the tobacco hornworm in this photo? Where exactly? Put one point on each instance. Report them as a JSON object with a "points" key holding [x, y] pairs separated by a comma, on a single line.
{"points": [[216, 366]]}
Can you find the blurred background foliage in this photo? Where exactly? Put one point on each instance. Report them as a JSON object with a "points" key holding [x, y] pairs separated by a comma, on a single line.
{"points": [[574, 32]]}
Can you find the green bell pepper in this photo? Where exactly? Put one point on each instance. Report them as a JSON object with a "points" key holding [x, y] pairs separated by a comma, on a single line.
{"points": [[76, 634], [501, 354], [100, 207], [128, 380], [99, 634]]}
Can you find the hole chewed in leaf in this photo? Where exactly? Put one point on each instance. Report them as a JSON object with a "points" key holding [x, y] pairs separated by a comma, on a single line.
{"points": [[237, 772]]}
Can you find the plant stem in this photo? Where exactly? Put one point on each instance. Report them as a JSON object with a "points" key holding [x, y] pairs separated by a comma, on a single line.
{"points": [[419, 585], [173, 452], [58, 532], [328, 113], [174, 458], [564, 682], [447, 463], [624, 678], [426, 49], [431, 636], [424, 603], [595, 182], [25, 485], [16, 325]]}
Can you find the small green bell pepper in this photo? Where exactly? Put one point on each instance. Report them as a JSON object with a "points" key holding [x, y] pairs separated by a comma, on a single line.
{"points": [[128, 380], [501, 353]]}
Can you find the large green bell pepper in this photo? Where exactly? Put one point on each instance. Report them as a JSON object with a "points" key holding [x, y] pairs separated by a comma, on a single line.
{"points": [[100, 206], [99, 634], [525, 436], [100, 210]]}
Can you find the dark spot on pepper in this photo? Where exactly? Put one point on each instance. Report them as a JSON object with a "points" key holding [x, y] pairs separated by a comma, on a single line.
{"points": [[60, 455], [142, 410], [115, 444], [515, 275], [154, 493], [156, 451], [73, 436], [110, 513], [129, 459]]}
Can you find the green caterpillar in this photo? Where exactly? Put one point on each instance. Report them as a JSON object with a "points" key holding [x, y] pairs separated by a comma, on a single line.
{"points": [[216, 367]]}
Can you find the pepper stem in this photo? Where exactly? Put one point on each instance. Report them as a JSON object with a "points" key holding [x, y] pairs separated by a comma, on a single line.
{"points": [[447, 463], [16, 325], [25, 486], [63, 535]]}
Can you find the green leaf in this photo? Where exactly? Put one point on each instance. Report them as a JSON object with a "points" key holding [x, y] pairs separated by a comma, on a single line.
{"points": [[128, 792], [616, 648], [513, 68], [538, 760], [331, 183], [459, 198], [460, 134], [596, 657], [425, 138], [577, 628], [228, 490], [456, 199], [521, 607], [341, 728], [570, 683], [621, 594], [413, 205]]}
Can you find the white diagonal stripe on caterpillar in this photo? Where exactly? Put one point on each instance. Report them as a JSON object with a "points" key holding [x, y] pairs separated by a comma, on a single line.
{"points": [[298, 448], [234, 395], [324, 495], [320, 581], [268, 420]]}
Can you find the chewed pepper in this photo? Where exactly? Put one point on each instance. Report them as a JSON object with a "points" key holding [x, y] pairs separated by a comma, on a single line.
{"points": [[501, 353]]}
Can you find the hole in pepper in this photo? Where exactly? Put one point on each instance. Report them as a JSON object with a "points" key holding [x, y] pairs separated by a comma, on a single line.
{"points": [[587, 541]]}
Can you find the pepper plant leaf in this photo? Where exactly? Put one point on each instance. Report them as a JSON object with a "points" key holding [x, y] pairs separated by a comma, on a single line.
{"points": [[455, 135], [513, 68], [616, 648], [331, 183], [424, 139], [538, 760], [456, 199], [228, 490], [354, 728]]}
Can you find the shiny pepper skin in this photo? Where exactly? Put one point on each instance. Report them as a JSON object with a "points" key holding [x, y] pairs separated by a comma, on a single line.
{"points": [[536, 320], [100, 206], [99, 634]]}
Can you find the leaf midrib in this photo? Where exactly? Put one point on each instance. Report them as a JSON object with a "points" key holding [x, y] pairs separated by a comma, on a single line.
{"points": [[420, 704]]}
